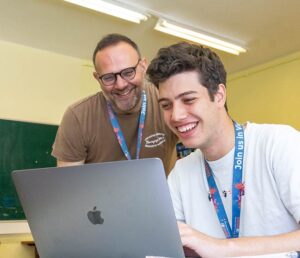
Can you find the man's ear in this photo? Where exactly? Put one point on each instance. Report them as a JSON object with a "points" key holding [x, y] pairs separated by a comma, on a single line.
{"points": [[96, 76], [220, 95], [144, 63]]}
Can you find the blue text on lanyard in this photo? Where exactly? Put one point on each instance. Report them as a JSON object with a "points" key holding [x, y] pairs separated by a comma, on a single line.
{"points": [[237, 187], [118, 131]]}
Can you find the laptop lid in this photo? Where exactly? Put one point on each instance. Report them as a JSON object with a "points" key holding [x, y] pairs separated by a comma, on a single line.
{"points": [[111, 209]]}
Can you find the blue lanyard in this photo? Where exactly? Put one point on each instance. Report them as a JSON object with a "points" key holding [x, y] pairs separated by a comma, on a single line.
{"points": [[118, 131], [237, 187]]}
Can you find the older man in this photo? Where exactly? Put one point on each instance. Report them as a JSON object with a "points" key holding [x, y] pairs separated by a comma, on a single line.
{"points": [[123, 120]]}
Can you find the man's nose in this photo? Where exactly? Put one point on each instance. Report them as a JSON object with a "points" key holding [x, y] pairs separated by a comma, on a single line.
{"points": [[178, 113], [120, 82]]}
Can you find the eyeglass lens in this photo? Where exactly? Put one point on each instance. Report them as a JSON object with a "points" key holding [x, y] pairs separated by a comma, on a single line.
{"points": [[126, 74]]}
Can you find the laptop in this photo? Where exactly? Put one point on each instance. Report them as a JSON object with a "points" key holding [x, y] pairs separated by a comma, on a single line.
{"points": [[112, 209]]}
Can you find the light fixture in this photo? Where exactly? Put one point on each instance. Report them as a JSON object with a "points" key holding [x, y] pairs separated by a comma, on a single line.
{"points": [[111, 9], [198, 37]]}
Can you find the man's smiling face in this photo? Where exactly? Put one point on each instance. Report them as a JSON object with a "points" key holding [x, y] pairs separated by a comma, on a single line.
{"points": [[123, 94]]}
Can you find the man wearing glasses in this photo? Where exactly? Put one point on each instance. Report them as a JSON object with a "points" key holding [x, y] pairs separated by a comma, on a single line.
{"points": [[123, 121]]}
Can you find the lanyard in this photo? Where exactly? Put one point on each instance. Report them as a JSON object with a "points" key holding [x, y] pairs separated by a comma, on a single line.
{"points": [[118, 131], [237, 187]]}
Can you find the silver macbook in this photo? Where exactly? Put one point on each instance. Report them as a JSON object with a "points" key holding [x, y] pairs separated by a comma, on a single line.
{"points": [[113, 209]]}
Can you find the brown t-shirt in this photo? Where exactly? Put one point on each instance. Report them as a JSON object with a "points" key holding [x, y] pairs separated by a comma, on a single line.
{"points": [[86, 133]]}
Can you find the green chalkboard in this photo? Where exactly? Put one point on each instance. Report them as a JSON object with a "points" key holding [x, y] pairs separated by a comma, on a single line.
{"points": [[23, 145]]}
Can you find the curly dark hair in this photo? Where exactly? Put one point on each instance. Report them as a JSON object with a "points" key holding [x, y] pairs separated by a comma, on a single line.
{"points": [[183, 57], [112, 40]]}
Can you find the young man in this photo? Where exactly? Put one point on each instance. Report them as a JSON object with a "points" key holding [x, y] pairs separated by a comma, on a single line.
{"points": [[238, 193], [123, 120]]}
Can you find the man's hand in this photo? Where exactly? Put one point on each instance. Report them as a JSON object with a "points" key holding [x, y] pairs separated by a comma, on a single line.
{"points": [[202, 244]]}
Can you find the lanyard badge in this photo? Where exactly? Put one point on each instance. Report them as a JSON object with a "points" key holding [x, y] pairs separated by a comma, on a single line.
{"points": [[237, 187], [119, 133]]}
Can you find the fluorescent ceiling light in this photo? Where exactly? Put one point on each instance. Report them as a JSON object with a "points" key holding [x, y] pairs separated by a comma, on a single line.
{"points": [[111, 9], [178, 31]]}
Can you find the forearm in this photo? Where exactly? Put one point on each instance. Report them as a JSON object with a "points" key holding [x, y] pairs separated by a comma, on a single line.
{"points": [[61, 163], [209, 247], [263, 245]]}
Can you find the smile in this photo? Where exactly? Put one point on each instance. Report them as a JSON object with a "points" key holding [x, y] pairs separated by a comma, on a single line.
{"points": [[187, 128], [123, 93]]}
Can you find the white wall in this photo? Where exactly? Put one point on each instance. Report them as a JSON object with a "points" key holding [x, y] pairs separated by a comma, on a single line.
{"points": [[37, 85]]}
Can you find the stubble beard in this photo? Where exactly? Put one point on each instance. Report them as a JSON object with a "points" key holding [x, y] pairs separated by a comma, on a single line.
{"points": [[126, 105]]}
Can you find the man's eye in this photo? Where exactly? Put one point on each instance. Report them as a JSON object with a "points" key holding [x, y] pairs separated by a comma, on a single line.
{"points": [[189, 100], [108, 78], [165, 106], [128, 73]]}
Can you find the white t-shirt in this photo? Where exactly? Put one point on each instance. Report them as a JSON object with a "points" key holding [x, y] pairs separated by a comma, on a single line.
{"points": [[271, 204]]}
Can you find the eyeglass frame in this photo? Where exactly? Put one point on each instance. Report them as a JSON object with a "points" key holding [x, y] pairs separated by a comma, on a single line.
{"points": [[119, 73]]}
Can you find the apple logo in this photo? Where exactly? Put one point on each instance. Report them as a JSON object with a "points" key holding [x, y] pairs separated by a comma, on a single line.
{"points": [[94, 216]]}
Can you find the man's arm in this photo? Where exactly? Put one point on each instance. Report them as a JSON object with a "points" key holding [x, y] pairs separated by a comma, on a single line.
{"points": [[61, 163], [69, 142], [207, 246]]}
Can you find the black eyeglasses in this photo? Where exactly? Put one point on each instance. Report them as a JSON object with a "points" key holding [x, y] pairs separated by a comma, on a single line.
{"points": [[126, 74]]}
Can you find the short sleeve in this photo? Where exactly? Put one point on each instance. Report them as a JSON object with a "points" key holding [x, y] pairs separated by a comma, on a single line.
{"points": [[69, 142]]}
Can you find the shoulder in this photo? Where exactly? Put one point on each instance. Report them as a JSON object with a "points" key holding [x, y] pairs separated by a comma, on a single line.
{"points": [[271, 136], [187, 173], [269, 127], [84, 109], [87, 107], [86, 102], [270, 130], [187, 166]]}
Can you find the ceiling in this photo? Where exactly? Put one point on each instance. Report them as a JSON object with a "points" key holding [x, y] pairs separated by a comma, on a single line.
{"points": [[267, 28]]}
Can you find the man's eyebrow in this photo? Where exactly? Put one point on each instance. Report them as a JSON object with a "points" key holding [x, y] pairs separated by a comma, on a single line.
{"points": [[162, 99], [185, 93], [178, 96]]}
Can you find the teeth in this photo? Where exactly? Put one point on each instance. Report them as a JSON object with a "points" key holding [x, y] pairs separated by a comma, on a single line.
{"points": [[124, 93], [186, 128]]}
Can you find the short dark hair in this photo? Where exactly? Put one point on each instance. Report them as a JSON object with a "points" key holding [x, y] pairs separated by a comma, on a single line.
{"points": [[183, 57], [114, 39]]}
